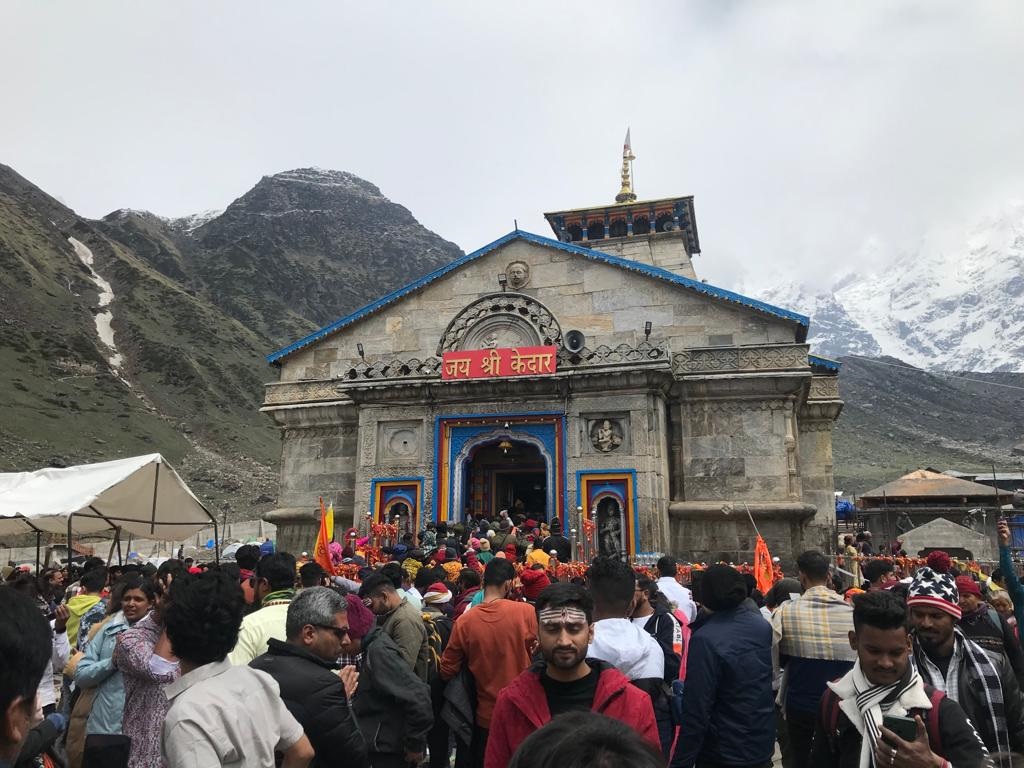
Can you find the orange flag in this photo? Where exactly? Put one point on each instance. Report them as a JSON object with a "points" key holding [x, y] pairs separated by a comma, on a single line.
{"points": [[320, 551], [763, 572]]}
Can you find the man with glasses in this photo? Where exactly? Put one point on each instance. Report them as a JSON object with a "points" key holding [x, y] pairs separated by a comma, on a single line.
{"points": [[304, 668]]}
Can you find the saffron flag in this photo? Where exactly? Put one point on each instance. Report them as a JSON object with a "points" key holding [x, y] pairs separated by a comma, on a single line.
{"points": [[628, 145], [330, 522], [763, 571], [320, 552]]}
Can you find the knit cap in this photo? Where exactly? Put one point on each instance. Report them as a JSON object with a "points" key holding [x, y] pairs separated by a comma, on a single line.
{"points": [[360, 618], [936, 590], [965, 585], [437, 593], [534, 580]]}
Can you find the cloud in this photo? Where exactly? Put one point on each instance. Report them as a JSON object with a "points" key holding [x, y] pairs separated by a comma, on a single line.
{"points": [[810, 133]]}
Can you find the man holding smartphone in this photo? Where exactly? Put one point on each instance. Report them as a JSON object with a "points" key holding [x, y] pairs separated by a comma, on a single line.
{"points": [[883, 689]]}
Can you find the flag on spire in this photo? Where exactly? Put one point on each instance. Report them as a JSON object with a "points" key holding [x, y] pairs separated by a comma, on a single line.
{"points": [[627, 147]]}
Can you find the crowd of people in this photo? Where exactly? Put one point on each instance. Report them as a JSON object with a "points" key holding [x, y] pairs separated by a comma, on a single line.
{"points": [[467, 648]]}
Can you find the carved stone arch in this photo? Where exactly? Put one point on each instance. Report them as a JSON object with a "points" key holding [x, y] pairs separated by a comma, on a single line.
{"points": [[512, 315]]}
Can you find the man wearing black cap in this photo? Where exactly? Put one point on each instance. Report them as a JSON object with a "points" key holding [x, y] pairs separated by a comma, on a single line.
{"points": [[556, 541], [728, 714]]}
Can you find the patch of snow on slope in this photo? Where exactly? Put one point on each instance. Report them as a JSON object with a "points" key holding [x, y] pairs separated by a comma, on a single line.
{"points": [[194, 221], [104, 319]]}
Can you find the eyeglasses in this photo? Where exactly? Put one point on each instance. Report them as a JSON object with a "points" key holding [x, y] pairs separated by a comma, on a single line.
{"points": [[339, 633]]}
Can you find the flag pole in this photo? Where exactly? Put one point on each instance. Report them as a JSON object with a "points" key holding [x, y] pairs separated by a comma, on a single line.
{"points": [[751, 519]]}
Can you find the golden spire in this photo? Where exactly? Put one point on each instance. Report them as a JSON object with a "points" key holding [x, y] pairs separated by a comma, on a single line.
{"points": [[626, 193]]}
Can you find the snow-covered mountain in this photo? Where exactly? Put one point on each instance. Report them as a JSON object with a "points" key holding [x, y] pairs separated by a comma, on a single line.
{"points": [[954, 303]]}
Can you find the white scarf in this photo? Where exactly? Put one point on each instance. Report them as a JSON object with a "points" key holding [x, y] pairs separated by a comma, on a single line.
{"points": [[861, 702]]}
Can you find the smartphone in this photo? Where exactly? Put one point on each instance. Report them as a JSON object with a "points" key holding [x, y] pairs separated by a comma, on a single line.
{"points": [[904, 727]]}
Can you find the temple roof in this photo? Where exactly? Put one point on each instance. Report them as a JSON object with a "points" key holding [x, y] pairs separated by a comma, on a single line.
{"points": [[688, 217], [925, 483], [633, 266]]}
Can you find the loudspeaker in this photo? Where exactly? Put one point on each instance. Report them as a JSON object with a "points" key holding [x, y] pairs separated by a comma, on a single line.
{"points": [[574, 341]]}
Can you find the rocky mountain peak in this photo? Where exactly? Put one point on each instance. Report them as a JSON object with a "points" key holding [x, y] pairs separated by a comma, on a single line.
{"points": [[325, 177]]}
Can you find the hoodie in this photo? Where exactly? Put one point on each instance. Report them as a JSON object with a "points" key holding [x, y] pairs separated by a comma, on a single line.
{"points": [[522, 708], [628, 648], [78, 606]]}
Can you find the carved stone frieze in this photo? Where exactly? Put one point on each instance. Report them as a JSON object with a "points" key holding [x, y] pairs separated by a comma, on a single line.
{"points": [[392, 470], [815, 426], [603, 355], [345, 430], [737, 406], [824, 388], [766, 357], [429, 367], [367, 448], [303, 392], [515, 307]]}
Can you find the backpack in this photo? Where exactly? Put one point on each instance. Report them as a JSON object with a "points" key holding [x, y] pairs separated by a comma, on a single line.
{"points": [[684, 625], [439, 629], [830, 718]]}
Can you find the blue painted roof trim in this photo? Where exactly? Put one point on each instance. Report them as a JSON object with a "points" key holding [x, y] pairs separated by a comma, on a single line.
{"points": [[832, 366], [633, 266]]}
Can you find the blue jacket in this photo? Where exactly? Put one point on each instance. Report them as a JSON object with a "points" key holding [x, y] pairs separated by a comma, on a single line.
{"points": [[97, 671], [1013, 585], [728, 709]]}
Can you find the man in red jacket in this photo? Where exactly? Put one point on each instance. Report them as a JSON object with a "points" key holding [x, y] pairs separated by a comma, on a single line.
{"points": [[565, 681]]}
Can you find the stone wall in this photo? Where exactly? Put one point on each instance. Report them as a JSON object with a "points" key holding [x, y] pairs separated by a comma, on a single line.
{"points": [[606, 303], [318, 450], [727, 411], [941, 533], [665, 250]]}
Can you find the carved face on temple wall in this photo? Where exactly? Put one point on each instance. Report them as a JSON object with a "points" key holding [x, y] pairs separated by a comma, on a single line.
{"points": [[518, 273]]}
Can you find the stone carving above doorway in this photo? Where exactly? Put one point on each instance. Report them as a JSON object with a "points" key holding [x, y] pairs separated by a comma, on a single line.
{"points": [[399, 441], [518, 274], [607, 434], [501, 320]]}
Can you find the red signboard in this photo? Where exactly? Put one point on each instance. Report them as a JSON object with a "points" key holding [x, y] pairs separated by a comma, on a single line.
{"points": [[499, 363]]}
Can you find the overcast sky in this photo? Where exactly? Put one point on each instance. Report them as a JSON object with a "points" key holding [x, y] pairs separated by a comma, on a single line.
{"points": [[804, 129]]}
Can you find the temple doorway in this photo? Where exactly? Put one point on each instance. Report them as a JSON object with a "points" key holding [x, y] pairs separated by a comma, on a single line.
{"points": [[506, 474]]}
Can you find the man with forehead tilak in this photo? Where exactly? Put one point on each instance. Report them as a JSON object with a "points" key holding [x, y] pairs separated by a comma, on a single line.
{"points": [[565, 680]]}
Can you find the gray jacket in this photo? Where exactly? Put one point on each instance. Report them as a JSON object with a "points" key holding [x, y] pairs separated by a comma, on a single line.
{"points": [[392, 704]]}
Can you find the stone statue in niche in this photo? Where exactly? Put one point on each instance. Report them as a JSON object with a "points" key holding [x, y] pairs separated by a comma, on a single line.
{"points": [[518, 274], [606, 435], [609, 525], [400, 516]]}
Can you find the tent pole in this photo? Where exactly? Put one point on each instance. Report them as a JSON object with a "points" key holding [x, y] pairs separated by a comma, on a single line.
{"points": [[38, 540], [120, 561], [128, 546], [216, 543], [113, 543], [156, 486], [70, 518]]}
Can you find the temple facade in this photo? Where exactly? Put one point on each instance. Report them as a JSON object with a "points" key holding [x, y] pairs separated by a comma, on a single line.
{"points": [[587, 374]]}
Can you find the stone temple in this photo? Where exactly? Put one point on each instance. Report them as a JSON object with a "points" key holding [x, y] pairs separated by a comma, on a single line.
{"points": [[592, 370]]}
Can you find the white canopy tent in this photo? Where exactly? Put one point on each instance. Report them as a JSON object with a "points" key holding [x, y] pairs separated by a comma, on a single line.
{"points": [[142, 496]]}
